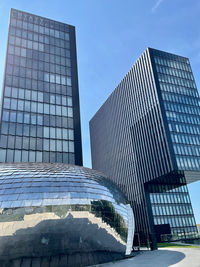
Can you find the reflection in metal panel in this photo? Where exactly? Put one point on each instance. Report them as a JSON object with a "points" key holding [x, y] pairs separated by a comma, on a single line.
{"points": [[52, 209]]}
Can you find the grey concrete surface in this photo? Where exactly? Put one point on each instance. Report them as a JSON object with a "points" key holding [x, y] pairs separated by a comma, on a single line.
{"points": [[164, 257]]}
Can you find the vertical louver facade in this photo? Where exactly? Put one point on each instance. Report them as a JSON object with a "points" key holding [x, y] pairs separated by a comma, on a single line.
{"points": [[131, 143]]}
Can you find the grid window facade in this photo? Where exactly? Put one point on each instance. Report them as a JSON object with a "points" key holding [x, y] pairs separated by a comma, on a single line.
{"points": [[40, 103], [171, 205], [182, 107]]}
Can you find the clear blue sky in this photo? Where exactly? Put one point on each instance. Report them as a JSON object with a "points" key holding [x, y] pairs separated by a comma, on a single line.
{"points": [[111, 35]]}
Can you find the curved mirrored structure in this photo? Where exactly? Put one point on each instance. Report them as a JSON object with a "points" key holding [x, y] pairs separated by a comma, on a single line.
{"points": [[49, 209]]}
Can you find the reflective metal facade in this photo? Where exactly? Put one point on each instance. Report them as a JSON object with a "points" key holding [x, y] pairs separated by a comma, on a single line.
{"points": [[132, 144], [58, 209], [39, 117]]}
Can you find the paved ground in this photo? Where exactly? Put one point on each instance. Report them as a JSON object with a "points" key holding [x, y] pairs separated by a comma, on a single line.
{"points": [[164, 257]]}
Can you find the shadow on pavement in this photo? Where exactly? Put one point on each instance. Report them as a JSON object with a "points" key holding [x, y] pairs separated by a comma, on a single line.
{"points": [[168, 257], [157, 258]]}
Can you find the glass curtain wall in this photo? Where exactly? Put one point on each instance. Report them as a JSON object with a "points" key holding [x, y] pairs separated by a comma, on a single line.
{"points": [[182, 106], [37, 110]]}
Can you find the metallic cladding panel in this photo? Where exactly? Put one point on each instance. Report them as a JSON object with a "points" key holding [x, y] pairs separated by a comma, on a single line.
{"points": [[75, 96], [53, 209]]}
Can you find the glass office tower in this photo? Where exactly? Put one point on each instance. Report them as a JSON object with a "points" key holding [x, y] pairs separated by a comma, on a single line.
{"points": [[40, 117], [145, 137]]}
